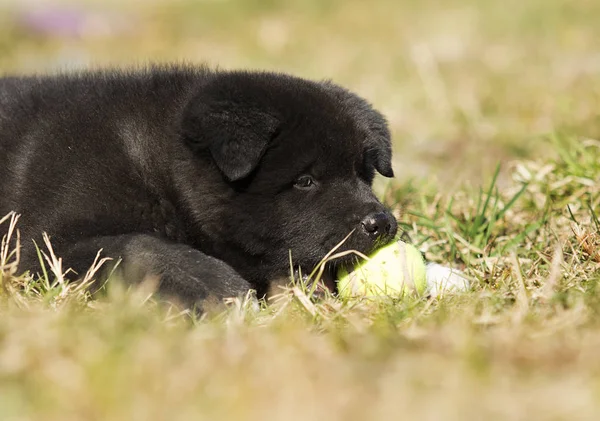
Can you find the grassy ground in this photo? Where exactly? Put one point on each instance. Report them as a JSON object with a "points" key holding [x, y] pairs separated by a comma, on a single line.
{"points": [[466, 85]]}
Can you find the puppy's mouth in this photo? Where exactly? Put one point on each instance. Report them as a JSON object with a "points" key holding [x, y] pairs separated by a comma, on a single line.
{"points": [[321, 281], [326, 279], [328, 276]]}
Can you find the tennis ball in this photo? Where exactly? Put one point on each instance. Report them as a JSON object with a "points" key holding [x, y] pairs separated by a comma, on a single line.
{"points": [[395, 270]]}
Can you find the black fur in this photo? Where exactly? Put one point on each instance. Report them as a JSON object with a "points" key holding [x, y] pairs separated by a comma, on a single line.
{"points": [[189, 174]]}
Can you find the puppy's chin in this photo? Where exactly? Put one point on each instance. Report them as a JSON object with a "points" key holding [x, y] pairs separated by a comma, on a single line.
{"points": [[325, 281], [356, 247], [350, 253]]}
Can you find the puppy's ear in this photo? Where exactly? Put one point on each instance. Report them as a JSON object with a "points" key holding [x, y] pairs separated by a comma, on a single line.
{"points": [[378, 146], [235, 134]]}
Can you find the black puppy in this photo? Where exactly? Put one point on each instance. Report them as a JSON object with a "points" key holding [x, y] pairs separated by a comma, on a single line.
{"points": [[207, 180]]}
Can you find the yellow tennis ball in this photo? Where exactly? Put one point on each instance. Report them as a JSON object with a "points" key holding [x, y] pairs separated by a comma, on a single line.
{"points": [[393, 270]]}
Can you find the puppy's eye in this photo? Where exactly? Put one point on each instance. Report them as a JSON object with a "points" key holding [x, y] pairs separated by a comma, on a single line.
{"points": [[304, 182]]}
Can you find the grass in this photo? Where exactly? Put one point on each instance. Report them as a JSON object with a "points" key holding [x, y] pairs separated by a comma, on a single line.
{"points": [[494, 110], [522, 343]]}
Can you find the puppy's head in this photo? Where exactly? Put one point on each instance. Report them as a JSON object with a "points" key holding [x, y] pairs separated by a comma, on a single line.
{"points": [[298, 159]]}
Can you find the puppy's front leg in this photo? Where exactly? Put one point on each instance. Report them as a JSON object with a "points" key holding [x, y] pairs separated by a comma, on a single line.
{"points": [[184, 273]]}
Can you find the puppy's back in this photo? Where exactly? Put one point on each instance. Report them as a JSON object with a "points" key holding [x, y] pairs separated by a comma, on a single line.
{"points": [[65, 140]]}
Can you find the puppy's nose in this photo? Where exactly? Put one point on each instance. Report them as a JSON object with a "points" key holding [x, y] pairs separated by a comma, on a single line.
{"points": [[380, 224]]}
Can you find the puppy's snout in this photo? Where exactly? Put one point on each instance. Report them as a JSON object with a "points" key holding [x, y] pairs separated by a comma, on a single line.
{"points": [[380, 224]]}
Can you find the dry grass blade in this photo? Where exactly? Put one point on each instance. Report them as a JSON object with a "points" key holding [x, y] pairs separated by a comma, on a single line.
{"points": [[304, 300], [320, 268], [522, 306], [551, 283], [588, 241], [10, 253], [90, 276]]}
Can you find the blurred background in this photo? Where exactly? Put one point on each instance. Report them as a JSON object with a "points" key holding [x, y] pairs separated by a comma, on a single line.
{"points": [[464, 83]]}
